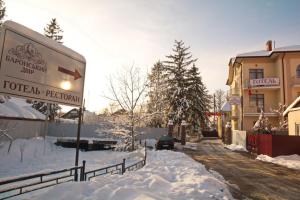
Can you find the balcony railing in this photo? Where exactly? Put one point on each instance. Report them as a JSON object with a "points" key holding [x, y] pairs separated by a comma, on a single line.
{"points": [[295, 81], [270, 82], [252, 109]]}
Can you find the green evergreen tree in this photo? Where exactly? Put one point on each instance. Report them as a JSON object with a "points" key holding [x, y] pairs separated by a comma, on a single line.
{"points": [[54, 31], [2, 11], [156, 105], [176, 68], [198, 97]]}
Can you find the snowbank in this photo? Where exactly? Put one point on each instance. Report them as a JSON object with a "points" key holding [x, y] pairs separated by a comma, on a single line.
{"points": [[15, 107], [167, 175], [41, 156], [292, 161], [234, 147]]}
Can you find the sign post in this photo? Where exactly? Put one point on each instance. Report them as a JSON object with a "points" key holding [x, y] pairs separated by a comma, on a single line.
{"points": [[33, 66]]}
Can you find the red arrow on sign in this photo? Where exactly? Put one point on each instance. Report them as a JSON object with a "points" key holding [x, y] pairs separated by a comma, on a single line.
{"points": [[66, 71]]}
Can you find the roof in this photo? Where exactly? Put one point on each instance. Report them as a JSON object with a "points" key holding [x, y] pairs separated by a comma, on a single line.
{"points": [[265, 53], [293, 105], [18, 108]]}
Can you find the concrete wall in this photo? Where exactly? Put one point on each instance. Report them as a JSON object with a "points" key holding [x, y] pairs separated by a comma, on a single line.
{"points": [[150, 133], [239, 138], [98, 130], [293, 119], [22, 128]]}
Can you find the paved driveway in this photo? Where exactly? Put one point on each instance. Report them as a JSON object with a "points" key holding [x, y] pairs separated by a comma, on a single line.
{"points": [[248, 178]]}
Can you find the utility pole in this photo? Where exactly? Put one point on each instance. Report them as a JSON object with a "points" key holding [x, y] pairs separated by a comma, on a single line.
{"points": [[214, 111]]}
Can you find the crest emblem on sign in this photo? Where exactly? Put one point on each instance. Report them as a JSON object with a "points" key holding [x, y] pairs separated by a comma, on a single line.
{"points": [[27, 52]]}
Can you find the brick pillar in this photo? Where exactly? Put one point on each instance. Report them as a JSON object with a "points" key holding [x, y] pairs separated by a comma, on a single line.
{"points": [[170, 128], [183, 131]]}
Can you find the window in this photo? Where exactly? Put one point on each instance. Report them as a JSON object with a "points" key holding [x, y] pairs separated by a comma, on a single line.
{"points": [[256, 73], [298, 72], [257, 100], [297, 129]]}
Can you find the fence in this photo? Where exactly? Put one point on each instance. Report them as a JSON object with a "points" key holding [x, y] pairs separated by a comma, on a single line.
{"points": [[14, 187], [273, 145], [37, 181]]}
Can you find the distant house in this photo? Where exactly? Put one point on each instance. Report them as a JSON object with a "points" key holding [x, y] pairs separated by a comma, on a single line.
{"points": [[293, 113], [20, 119], [72, 114]]}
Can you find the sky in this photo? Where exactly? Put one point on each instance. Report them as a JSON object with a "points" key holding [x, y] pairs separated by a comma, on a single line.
{"points": [[113, 34]]}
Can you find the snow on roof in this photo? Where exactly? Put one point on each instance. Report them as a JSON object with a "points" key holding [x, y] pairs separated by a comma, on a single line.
{"points": [[288, 48], [255, 54], [15, 107], [291, 106], [264, 53], [226, 107]]}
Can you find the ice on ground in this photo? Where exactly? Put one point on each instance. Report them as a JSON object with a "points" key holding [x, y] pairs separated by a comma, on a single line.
{"points": [[292, 161], [167, 175], [234, 147], [188, 145]]}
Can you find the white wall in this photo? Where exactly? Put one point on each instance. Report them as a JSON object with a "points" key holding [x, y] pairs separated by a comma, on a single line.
{"points": [[22, 128], [239, 138]]}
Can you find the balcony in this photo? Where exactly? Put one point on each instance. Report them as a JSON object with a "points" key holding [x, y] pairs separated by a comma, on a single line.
{"points": [[262, 83], [295, 81], [255, 111]]}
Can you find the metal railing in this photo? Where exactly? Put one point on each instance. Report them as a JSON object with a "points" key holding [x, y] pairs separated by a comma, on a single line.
{"points": [[25, 184], [119, 168], [113, 169], [21, 185]]}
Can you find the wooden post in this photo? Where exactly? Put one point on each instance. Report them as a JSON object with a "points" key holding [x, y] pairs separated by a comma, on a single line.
{"points": [[183, 131], [123, 166], [170, 128]]}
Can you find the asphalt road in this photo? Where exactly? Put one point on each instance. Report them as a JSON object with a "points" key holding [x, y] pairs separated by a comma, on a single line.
{"points": [[246, 177]]}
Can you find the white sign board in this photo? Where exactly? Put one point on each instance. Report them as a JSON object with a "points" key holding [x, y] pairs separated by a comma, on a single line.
{"points": [[264, 82], [35, 67]]}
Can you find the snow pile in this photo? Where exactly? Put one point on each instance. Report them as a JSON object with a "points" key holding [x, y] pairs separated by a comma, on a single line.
{"points": [[14, 107], [167, 175], [41, 156], [292, 161], [234, 147]]}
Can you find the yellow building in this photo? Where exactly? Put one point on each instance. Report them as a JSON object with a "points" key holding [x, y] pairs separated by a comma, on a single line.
{"points": [[293, 113], [260, 81]]}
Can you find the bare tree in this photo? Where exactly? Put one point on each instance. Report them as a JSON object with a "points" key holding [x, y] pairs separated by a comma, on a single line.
{"points": [[128, 90], [220, 99]]}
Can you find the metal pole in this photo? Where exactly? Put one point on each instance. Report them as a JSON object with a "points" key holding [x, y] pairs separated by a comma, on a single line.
{"points": [[214, 111], [78, 141]]}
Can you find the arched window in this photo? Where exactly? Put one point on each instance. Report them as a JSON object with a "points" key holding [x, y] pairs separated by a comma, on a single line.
{"points": [[298, 71]]}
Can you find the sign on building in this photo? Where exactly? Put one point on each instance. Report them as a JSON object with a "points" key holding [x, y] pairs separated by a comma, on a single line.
{"points": [[264, 82], [35, 67]]}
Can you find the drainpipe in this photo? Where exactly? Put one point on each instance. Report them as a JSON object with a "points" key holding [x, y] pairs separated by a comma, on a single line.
{"points": [[242, 99], [283, 80]]}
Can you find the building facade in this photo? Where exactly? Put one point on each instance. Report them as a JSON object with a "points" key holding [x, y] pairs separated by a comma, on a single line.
{"points": [[260, 81]]}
